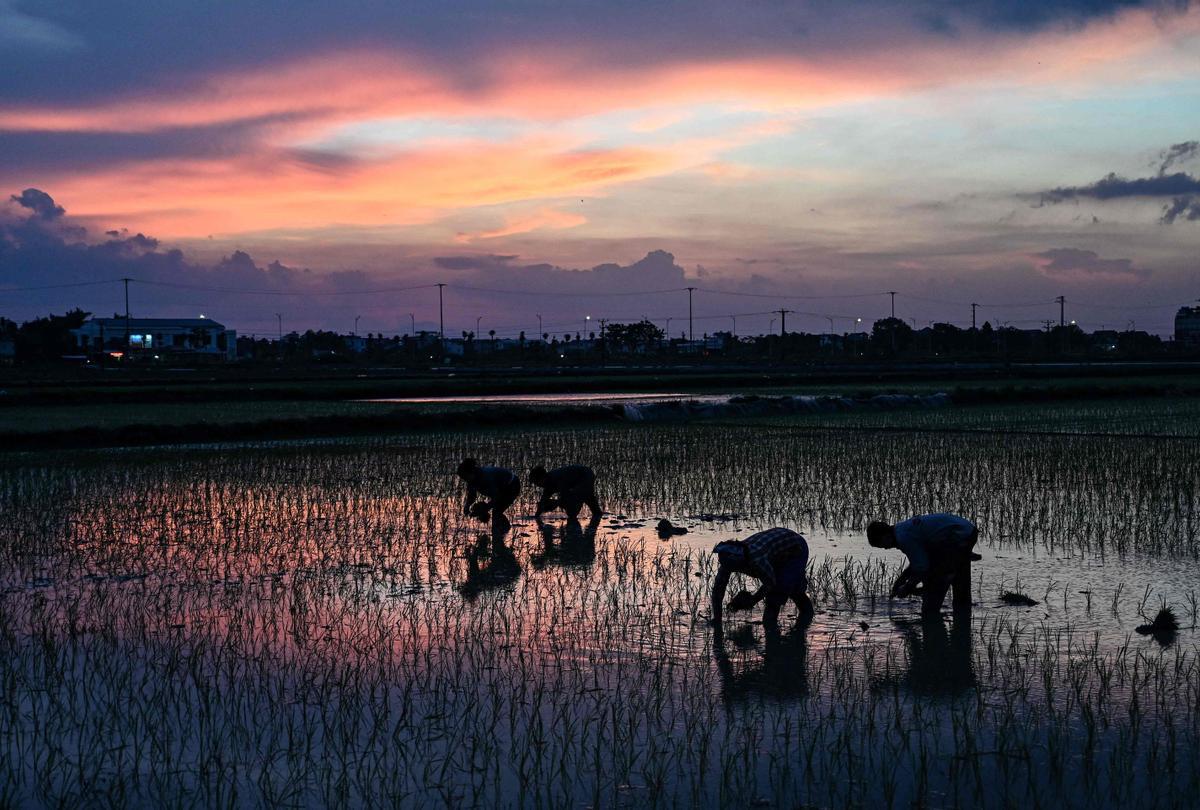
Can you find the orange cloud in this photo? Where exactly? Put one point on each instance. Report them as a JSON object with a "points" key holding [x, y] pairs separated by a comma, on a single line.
{"points": [[271, 190], [264, 184], [545, 218]]}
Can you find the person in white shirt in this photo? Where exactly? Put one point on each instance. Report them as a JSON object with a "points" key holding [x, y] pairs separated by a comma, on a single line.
{"points": [[939, 550]]}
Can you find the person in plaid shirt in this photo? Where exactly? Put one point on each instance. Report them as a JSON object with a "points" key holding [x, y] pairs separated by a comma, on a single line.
{"points": [[778, 558]]}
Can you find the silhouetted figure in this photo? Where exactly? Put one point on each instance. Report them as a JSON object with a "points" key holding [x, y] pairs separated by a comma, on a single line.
{"points": [[500, 569], [576, 544], [783, 673], [778, 558], [939, 660], [574, 484], [496, 484], [939, 550]]}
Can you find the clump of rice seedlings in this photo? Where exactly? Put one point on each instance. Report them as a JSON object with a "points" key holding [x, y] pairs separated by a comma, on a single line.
{"points": [[1164, 626], [1017, 599]]}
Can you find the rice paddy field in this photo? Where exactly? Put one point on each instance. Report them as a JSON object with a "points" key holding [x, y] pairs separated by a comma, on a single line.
{"points": [[316, 624]]}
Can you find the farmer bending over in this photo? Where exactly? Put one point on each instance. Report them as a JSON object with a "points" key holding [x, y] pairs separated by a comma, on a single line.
{"points": [[575, 485], [779, 559], [939, 551], [496, 484]]}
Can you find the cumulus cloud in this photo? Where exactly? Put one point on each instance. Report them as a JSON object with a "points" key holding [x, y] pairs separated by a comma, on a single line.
{"points": [[41, 247], [1077, 264], [39, 202]]}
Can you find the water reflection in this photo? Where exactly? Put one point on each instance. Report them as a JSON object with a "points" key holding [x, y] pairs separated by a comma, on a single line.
{"points": [[940, 661], [570, 544], [491, 563], [782, 674]]}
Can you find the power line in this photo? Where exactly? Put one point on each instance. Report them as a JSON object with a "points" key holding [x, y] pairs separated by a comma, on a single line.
{"points": [[61, 286], [550, 293], [234, 291]]}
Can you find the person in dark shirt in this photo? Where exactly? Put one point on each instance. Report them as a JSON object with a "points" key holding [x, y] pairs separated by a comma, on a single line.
{"points": [[575, 486], [779, 558], [500, 486]]}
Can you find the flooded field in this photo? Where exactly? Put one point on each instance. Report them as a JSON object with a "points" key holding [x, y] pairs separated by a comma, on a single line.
{"points": [[317, 625]]}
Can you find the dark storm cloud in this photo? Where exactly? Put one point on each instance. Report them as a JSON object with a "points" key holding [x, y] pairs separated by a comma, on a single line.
{"points": [[39, 202], [656, 271], [1083, 264], [1181, 208], [1114, 187], [128, 46], [37, 152], [488, 261], [1178, 153]]}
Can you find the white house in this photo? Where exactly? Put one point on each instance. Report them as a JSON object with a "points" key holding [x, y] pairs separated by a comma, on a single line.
{"points": [[192, 337]]}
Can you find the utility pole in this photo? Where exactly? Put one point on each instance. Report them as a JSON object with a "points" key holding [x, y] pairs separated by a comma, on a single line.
{"points": [[441, 322], [126, 313], [892, 293], [973, 315], [356, 317], [540, 330], [783, 313], [734, 317], [1062, 308], [603, 323], [279, 345], [413, 318], [691, 333]]}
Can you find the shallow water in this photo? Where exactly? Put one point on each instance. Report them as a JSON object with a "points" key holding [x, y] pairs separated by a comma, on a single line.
{"points": [[320, 626], [540, 399]]}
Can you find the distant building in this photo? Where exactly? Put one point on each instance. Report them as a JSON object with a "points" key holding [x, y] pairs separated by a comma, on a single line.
{"points": [[200, 338], [1187, 326]]}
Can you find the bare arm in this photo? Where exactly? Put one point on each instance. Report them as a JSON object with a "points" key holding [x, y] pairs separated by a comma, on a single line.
{"points": [[718, 594]]}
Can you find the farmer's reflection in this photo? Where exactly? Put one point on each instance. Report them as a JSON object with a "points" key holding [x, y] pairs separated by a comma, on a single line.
{"points": [[491, 564], [939, 659], [783, 673], [575, 546]]}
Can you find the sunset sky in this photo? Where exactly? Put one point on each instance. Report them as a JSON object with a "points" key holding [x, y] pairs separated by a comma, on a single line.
{"points": [[314, 159]]}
